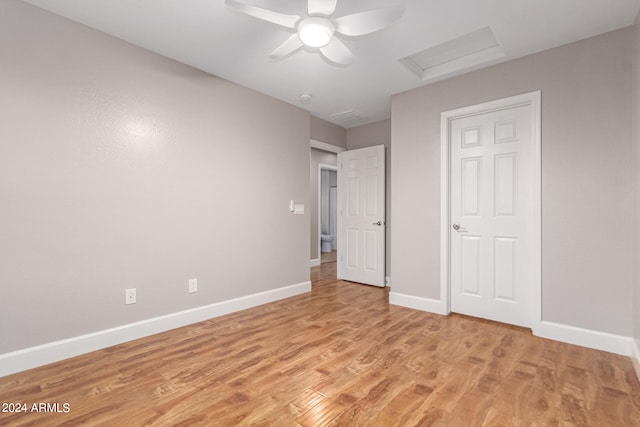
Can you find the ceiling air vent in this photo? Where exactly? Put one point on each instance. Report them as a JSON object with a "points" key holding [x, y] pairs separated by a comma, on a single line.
{"points": [[458, 54], [348, 118]]}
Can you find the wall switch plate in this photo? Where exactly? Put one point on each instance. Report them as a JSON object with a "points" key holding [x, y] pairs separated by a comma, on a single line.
{"points": [[130, 296], [193, 285]]}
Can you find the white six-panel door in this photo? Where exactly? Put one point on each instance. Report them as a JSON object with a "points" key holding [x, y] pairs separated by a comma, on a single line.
{"points": [[361, 215], [491, 213]]}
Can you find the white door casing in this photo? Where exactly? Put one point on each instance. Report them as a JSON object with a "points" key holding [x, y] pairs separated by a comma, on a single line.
{"points": [[491, 215], [361, 215]]}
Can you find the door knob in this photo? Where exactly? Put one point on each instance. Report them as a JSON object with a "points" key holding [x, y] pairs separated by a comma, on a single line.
{"points": [[379, 223], [458, 228]]}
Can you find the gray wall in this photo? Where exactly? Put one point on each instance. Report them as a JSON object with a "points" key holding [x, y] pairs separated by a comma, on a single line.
{"points": [[120, 168], [378, 133], [317, 157], [587, 193], [636, 168], [329, 133]]}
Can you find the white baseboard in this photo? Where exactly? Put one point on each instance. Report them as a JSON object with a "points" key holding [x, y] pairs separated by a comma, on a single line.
{"points": [[32, 357], [611, 343], [418, 303], [604, 341], [314, 262]]}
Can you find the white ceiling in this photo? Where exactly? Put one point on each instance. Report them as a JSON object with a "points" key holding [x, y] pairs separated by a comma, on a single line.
{"points": [[207, 36]]}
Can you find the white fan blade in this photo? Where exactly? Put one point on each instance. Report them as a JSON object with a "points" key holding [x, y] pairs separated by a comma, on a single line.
{"points": [[337, 53], [287, 21], [321, 7], [289, 47], [367, 22]]}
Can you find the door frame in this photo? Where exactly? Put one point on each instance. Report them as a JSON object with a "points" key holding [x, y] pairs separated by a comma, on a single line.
{"points": [[321, 167], [534, 100]]}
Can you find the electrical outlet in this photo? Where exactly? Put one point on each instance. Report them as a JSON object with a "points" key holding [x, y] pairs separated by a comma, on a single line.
{"points": [[130, 296], [193, 285]]}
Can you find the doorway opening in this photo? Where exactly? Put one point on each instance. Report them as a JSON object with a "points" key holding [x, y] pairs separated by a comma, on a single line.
{"points": [[327, 213]]}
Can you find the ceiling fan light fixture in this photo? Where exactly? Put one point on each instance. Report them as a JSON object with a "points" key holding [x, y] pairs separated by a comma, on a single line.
{"points": [[315, 32], [320, 32]]}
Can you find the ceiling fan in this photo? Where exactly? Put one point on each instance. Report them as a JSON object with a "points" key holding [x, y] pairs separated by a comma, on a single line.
{"points": [[319, 30]]}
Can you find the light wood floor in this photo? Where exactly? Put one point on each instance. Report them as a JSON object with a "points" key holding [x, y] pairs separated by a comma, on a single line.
{"points": [[328, 257], [340, 355]]}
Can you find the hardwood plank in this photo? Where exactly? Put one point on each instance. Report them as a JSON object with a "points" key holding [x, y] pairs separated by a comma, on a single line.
{"points": [[340, 355]]}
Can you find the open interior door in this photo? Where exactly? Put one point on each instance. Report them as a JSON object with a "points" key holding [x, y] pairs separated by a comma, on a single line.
{"points": [[361, 215]]}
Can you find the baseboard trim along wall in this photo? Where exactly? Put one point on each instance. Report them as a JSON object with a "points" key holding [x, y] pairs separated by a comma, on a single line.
{"points": [[40, 355], [314, 262], [597, 340], [418, 303]]}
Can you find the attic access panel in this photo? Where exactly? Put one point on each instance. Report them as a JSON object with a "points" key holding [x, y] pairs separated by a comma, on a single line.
{"points": [[457, 54]]}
